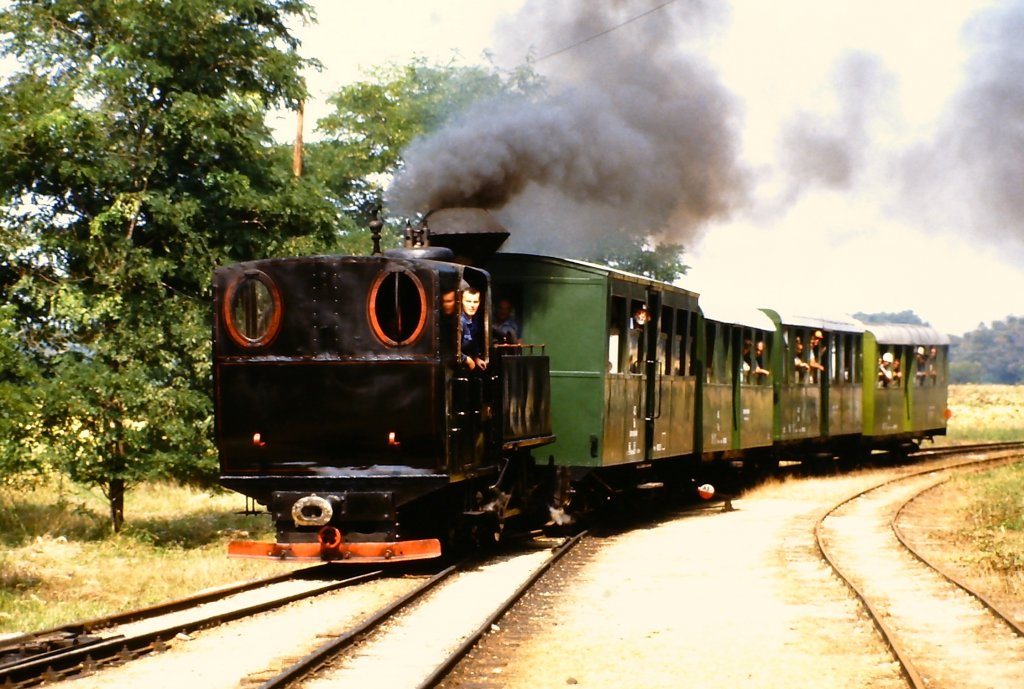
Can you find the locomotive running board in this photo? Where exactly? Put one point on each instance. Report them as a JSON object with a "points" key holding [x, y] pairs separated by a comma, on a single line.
{"points": [[397, 551]]}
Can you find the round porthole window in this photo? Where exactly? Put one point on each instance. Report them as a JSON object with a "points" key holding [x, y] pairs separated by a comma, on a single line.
{"points": [[252, 310], [398, 307]]}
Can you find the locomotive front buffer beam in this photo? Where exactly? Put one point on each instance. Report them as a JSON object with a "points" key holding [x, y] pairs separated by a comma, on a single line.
{"points": [[331, 547], [322, 538]]}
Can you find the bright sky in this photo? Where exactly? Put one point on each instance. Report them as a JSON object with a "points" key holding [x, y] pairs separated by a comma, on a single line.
{"points": [[848, 239]]}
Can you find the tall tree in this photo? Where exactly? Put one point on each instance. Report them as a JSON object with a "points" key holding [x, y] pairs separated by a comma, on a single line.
{"points": [[376, 118], [135, 159]]}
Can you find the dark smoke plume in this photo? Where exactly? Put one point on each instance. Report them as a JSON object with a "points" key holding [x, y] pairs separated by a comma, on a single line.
{"points": [[831, 151], [635, 136], [977, 159]]}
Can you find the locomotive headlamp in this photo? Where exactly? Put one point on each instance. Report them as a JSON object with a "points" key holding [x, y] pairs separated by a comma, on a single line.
{"points": [[257, 439], [393, 439]]}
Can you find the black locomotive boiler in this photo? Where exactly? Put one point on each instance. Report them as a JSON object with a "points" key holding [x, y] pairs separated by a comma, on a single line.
{"points": [[344, 408]]}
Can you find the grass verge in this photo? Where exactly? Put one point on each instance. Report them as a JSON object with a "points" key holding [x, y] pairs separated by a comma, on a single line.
{"points": [[991, 535], [60, 563]]}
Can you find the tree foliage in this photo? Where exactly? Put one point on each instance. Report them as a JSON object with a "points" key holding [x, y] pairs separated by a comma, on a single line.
{"points": [[21, 374], [375, 119], [136, 159], [908, 317], [989, 354]]}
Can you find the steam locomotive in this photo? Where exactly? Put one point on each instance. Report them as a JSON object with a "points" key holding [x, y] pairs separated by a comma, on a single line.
{"points": [[345, 407]]}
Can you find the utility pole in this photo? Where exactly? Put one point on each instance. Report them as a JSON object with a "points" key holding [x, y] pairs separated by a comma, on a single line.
{"points": [[297, 150]]}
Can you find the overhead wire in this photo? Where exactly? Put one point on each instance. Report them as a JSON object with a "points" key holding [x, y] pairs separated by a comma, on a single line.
{"points": [[605, 32]]}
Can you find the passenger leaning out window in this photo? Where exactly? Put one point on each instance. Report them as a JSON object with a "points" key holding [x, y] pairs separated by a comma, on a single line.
{"points": [[473, 346]]}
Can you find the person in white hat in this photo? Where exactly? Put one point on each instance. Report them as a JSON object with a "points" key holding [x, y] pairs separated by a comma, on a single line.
{"points": [[885, 370]]}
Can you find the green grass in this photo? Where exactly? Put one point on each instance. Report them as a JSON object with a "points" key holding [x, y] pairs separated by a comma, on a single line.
{"points": [[990, 505], [61, 563], [992, 515]]}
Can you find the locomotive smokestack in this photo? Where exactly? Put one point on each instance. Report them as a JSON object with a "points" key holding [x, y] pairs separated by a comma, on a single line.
{"points": [[472, 234]]}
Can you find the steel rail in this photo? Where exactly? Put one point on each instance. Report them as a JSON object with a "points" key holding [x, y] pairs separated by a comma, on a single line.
{"points": [[65, 634], [68, 662], [907, 669], [458, 654], [993, 607], [325, 652], [974, 447]]}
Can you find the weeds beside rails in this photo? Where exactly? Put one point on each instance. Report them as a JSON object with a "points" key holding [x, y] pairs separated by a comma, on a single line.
{"points": [[991, 531], [60, 563], [986, 413]]}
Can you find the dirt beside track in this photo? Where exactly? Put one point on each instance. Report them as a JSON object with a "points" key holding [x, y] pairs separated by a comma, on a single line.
{"points": [[714, 600]]}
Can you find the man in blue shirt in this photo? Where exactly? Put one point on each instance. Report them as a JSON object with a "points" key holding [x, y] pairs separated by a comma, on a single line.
{"points": [[472, 331]]}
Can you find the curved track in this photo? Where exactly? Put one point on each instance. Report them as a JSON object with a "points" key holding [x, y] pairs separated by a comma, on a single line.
{"points": [[942, 633], [995, 608]]}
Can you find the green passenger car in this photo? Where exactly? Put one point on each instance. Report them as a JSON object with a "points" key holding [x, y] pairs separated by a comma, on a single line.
{"points": [[737, 386], [818, 392], [622, 350], [905, 390]]}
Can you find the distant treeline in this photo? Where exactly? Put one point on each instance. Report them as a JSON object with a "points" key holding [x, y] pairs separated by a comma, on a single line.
{"points": [[989, 354]]}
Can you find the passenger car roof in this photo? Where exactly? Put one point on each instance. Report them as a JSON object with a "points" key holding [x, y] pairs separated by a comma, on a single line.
{"points": [[596, 268], [906, 334], [826, 322], [727, 311]]}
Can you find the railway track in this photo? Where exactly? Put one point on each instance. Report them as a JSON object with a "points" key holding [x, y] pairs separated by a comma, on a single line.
{"points": [[279, 628], [956, 450], [70, 650], [941, 631], [713, 600], [416, 641]]}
